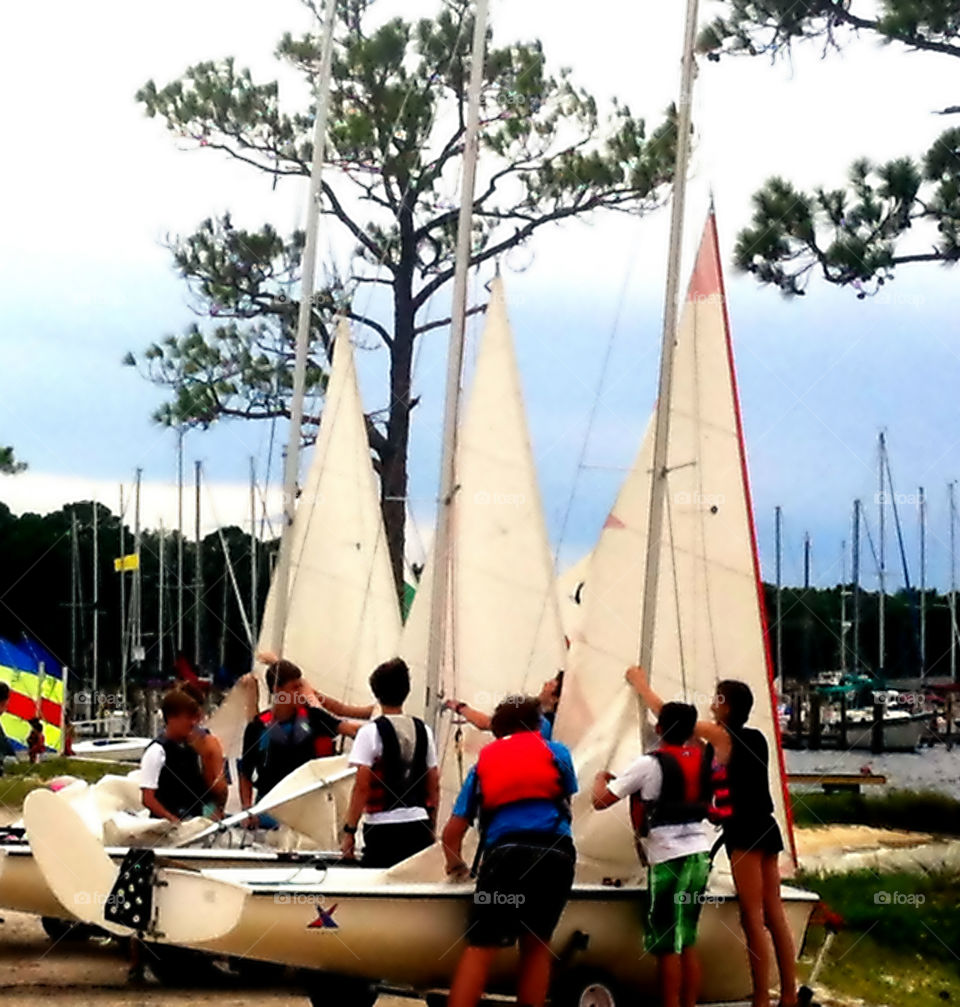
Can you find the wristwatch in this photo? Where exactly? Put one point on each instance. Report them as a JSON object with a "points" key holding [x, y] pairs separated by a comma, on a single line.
{"points": [[351, 830]]}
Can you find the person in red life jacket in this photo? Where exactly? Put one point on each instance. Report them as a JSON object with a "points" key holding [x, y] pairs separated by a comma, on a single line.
{"points": [[670, 792], [171, 778], [743, 807], [295, 730], [397, 788], [36, 745], [549, 699], [520, 792]]}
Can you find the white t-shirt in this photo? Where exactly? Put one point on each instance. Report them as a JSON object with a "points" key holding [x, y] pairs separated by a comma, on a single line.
{"points": [[367, 748], [151, 763], [665, 842]]}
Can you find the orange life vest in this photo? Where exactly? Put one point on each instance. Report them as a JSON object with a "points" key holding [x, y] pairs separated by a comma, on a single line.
{"points": [[520, 767]]}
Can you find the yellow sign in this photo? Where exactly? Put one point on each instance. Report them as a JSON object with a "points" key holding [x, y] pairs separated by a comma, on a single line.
{"points": [[124, 563]]}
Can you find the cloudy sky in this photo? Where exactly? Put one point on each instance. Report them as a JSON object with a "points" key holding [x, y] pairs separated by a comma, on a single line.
{"points": [[92, 187]]}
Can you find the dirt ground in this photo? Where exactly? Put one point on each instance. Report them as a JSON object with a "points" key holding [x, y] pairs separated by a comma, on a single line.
{"points": [[89, 972]]}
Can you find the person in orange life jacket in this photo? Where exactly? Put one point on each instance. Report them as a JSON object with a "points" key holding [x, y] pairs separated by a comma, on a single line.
{"points": [[549, 698], [670, 792], [210, 750], [520, 790], [171, 778], [743, 807], [296, 729], [397, 788]]}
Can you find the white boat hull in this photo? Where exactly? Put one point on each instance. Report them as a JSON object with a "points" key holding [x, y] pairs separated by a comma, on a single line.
{"points": [[112, 749], [409, 935], [899, 735]]}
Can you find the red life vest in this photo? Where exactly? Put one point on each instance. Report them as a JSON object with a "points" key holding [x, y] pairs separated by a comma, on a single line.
{"points": [[520, 767], [396, 783], [685, 790], [323, 745], [721, 809]]}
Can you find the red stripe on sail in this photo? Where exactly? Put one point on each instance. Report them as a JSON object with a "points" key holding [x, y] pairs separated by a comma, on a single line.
{"points": [[613, 522], [51, 712], [22, 706], [707, 280]]}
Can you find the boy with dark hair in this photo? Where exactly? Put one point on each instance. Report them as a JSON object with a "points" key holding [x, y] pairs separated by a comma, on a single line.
{"points": [[397, 788], [743, 806], [520, 789], [171, 776], [296, 729], [670, 793], [212, 760], [549, 699]]}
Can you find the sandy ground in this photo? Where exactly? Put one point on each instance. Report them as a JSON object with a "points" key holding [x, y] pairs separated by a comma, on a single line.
{"points": [[90, 972]]}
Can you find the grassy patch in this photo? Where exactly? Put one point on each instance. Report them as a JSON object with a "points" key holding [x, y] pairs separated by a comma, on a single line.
{"points": [[914, 811], [860, 967], [22, 777], [900, 943]]}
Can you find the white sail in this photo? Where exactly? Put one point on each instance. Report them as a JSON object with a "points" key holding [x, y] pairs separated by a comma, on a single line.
{"points": [[343, 616], [710, 619], [504, 623]]}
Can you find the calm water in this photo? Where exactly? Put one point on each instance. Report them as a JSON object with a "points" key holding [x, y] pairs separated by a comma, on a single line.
{"points": [[929, 769]]}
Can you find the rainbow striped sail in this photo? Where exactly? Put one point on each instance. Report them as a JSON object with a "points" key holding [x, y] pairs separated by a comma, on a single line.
{"points": [[36, 681]]}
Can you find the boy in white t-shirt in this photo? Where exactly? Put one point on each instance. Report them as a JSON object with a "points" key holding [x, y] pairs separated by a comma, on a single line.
{"points": [[670, 792], [397, 788]]}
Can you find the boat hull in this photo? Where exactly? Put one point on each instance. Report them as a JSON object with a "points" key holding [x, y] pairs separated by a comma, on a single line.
{"points": [[410, 935]]}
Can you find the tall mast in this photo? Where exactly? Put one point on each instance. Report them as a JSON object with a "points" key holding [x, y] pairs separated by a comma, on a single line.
{"points": [[953, 582], [137, 580], [658, 487], [161, 588], [253, 548], [806, 561], [197, 567], [180, 540], [778, 526], [123, 604], [843, 608], [95, 664], [291, 470], [74, 592], [882, 598], [923, 583], [443, 558], [856, 586]]}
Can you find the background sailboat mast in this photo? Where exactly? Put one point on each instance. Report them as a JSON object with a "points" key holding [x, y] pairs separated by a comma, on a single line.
{"points": [[444, 560], [197, 566], [923, 582], [95, 656], [953, 582], [291, 471], [670, 310], [180, 540], [882, 596], [779, 533], [254, 627]]}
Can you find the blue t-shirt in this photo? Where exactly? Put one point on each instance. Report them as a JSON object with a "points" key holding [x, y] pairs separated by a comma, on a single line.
{"points": [[528, 816], [546, 727]]}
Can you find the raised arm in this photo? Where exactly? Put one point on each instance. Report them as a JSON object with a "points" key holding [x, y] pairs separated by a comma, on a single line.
{"points": [[482, 721], [708, 731]]}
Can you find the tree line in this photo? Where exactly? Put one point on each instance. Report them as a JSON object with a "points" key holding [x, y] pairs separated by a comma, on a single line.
{"points": [[38, 560]]}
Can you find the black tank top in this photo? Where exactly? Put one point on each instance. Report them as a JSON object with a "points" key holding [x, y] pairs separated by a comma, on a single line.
{"points": [[748, 775], [181, 787]]}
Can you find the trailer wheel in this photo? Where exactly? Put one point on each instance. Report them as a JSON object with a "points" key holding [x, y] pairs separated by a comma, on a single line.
{"points": [[65, 930], [588, 989], [336, 991]]}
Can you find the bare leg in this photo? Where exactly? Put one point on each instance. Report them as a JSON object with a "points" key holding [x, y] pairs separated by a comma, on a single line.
{"points": [[779, 928], [690, 967], [533, 982], [748, 875], [668, 971], [470, 979]]}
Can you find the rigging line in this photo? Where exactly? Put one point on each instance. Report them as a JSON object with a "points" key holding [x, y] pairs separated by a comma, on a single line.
{"points": [[584, 445], [231, 573]]}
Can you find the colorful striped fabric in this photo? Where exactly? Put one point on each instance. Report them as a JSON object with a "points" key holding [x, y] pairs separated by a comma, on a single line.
{"points": [[20, 669]]}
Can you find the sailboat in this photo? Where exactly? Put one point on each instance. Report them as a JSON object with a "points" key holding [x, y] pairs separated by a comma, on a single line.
{"points": [[400, 927], [343, 619]]}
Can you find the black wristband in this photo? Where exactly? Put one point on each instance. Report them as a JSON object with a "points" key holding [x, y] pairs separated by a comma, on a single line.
{"points": [[351, 830]]}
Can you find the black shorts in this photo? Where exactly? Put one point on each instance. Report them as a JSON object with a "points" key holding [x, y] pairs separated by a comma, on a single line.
{"points": [[388, 843], [759, 835], [522, 887]]}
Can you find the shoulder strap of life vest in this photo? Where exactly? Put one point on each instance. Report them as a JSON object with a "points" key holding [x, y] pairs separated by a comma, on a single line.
{"points": [[404, 782]]}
